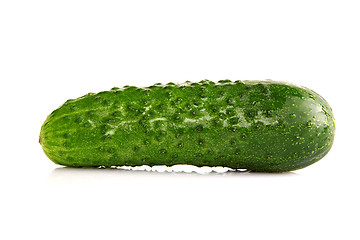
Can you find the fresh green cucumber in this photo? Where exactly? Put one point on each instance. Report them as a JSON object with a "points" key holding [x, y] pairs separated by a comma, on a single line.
{"points": [[263, 126]]}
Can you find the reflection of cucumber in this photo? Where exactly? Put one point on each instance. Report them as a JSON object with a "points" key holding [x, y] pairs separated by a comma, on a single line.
{"points": [[256, 125]]}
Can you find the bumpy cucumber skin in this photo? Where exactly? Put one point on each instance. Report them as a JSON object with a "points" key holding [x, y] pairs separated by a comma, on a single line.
{"points": [[264, 126]]}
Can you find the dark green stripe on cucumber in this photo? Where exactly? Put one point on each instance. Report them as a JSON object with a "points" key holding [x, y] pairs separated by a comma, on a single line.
{"points": [[263, 126]]}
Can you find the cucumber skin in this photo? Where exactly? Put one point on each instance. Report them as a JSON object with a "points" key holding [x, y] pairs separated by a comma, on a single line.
{"points": [[264, 126]]}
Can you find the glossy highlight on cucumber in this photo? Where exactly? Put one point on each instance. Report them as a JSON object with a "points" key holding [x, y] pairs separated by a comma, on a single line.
{"points": [[264, 126]]}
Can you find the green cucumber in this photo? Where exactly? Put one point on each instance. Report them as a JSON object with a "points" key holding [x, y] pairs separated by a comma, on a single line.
{"points": [[265, 126]]}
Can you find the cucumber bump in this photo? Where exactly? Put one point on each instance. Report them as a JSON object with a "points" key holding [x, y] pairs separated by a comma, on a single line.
{"points": [[265, 126]]}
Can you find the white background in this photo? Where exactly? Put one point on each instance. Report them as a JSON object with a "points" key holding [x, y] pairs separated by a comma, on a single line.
{"points": [[51, 51]]}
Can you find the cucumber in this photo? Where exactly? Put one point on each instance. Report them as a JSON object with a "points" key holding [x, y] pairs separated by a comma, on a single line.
{"points": [[264, 126]]}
